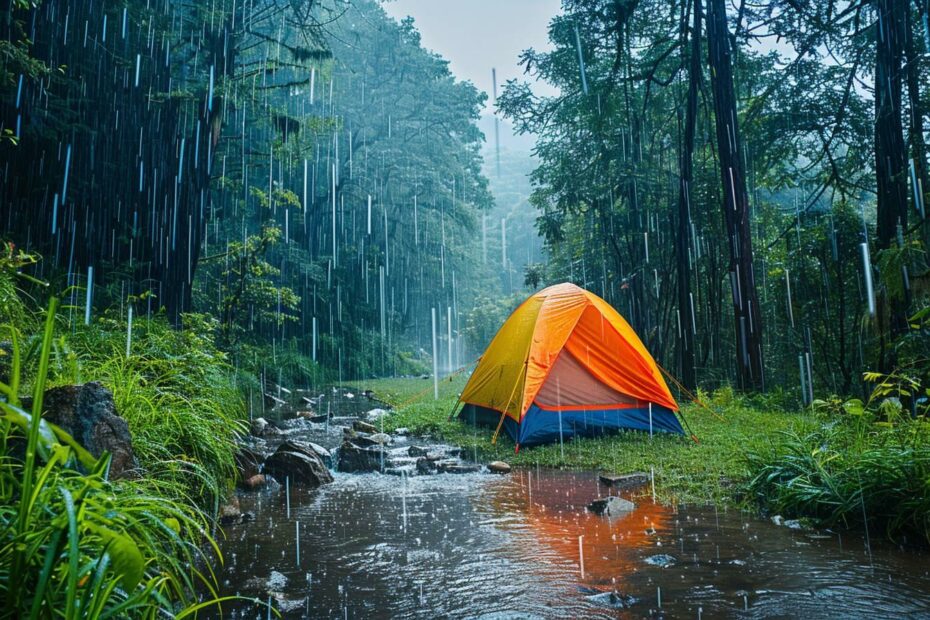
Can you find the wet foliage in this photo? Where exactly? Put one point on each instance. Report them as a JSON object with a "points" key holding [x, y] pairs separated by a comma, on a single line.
{"points": [[73, 543], [864, 464]]}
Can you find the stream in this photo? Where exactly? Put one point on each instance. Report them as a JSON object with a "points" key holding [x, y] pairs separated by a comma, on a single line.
{"points": [[480, 545]]}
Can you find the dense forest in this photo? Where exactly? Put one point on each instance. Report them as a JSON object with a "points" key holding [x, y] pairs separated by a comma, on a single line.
{"points": [[303, 172], [317, 173], [748, 187], [205, 203]]}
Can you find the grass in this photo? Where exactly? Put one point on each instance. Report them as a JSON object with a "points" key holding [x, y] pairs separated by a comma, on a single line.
{"points": [[73, 544], [177, 394], [859, 465], [713, 470]]}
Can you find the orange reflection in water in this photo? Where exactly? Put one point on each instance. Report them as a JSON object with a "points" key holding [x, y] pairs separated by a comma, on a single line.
{"points": [[555, 506]]}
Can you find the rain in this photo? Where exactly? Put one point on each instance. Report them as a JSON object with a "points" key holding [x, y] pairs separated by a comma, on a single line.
{"points": [[426, 309]]}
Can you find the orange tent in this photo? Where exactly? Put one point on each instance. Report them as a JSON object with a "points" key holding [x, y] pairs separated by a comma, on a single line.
{"points": [[564, 364]]}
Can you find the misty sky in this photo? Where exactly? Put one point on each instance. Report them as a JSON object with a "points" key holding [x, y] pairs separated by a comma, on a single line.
{"points": [[476, 35]]}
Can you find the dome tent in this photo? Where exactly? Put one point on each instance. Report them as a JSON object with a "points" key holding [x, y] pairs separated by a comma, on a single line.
{"points": [[566, 364]]}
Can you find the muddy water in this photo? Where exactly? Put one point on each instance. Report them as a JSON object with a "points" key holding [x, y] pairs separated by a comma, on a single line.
{"points": [[485, 546]]}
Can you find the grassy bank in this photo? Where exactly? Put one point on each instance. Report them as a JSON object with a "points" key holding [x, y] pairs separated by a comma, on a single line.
{"points": [[713, 469], [863, 464], [74, 543]]}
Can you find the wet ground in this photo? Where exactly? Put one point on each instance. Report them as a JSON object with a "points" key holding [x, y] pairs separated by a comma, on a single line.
{"points": [[524, 545], [487, 546]]}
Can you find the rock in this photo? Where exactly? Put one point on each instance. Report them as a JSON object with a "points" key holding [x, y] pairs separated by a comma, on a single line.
{"points": [[256, 482], [273, 402], [416, 451], [258, 426], [613, 600], [248, 463], [793, 524], [364, 427], [375, 415], [325, 454], [662, 560], [403, 431], [306, 447], [778, 520], [287, 605], [299, 464], [364, 440], [382, 439], [354, 458], [499, 467], [456, 467], [87, 413], [625, 481], [611, 505], [230, 512], [425, 466]]}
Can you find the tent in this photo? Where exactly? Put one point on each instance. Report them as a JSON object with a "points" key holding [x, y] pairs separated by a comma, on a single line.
{"points": [[566, 364]]}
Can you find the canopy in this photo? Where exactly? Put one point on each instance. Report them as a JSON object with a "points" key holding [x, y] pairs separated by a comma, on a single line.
{"points": [[566, 363]]}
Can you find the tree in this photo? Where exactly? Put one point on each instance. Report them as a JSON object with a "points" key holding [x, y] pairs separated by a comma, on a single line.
{"points": [[890, 153], [686, 317], [746, 309]]}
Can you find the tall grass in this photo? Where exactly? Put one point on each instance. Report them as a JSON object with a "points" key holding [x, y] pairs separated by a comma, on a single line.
{"points": [[861, 465], [74, 545], [177, 394]]}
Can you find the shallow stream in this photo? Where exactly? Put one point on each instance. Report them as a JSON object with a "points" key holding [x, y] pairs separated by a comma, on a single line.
{"points": [[489, 546]]}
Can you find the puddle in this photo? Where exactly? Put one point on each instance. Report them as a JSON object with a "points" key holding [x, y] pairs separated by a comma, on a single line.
{"points": [[488, 546]]}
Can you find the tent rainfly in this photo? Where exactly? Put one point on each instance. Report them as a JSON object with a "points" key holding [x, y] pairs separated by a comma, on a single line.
{"points": [[566, 364]]}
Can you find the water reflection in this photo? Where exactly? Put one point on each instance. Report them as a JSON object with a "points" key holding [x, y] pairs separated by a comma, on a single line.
{"points": [[483, 546], [554, 505]]}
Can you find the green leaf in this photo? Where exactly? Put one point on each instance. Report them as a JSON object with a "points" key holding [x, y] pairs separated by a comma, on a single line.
{"points": [[127, 560], [854, 406]]}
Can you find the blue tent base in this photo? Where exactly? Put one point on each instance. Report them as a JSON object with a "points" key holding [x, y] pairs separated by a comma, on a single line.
{"points": [[542, 426]]}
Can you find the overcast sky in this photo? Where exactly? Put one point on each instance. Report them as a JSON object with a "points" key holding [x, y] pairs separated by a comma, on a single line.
{"points": [[476, 35]]}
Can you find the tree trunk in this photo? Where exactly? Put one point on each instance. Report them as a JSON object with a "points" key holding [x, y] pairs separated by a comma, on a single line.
{"points": [[918, 146], [746, 310], [890, 154], [683, 245]]}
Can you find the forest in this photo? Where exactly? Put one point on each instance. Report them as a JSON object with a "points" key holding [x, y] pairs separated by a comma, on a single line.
{"points": [[264, 264]]}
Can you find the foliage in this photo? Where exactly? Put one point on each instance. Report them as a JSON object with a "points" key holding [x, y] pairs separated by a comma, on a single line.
{"points": [[485, 317], [176, 392], [356, 149], [12, 261], [75, 545], [864, 463], [245, 282], [533, 275], [610, 149]]}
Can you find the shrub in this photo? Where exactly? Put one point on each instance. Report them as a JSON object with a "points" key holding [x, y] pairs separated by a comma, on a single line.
{"points": [[74, 544], [176, 392], [864, 464]]}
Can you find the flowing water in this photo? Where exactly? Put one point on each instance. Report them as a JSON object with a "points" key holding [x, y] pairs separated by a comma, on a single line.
{"points": [[495, 547]]}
